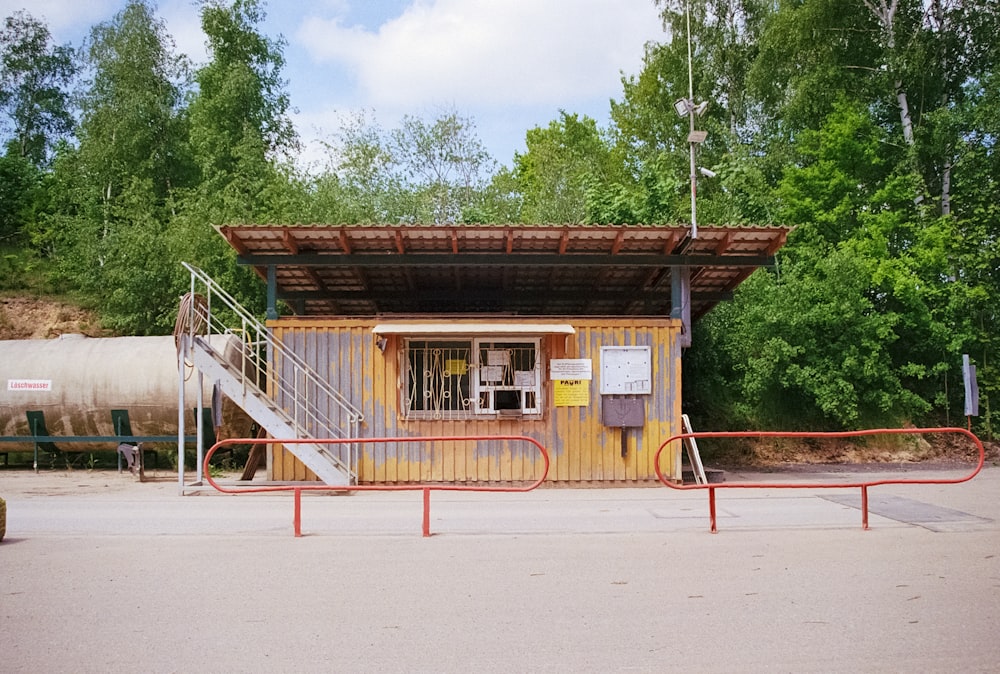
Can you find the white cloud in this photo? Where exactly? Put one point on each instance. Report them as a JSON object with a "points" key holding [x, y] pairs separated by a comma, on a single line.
{"points": [[184, 26], [64, 18], [474, 53], [71, 20]]}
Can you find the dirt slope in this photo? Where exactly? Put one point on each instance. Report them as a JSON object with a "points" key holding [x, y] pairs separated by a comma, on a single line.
{"points": [[25, 317]]}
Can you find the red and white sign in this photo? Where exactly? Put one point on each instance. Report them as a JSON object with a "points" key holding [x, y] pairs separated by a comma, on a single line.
{"points": [[29, 384]]}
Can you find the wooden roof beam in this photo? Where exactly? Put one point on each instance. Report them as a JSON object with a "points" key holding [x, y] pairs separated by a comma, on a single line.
{"points": [[671, 243], [725, 243], [777, 243], [654, 278], [234, 240], [314, 277], [345, 244], [619, 240]]}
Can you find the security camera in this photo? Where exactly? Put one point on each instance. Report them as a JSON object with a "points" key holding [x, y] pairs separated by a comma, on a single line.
{"points": [[706, 172]]}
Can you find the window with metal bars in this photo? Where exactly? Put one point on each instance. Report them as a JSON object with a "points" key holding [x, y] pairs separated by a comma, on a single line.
{"points": [[467, 378]]}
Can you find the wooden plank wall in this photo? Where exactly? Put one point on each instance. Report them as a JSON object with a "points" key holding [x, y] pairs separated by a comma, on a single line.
{"points": [[582, 449]]}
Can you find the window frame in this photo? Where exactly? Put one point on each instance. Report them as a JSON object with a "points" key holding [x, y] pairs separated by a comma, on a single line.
{"points": [[481, 385], [526, 385]]}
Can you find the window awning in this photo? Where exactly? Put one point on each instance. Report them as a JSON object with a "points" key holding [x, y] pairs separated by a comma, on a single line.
{"points": [[478, 328]]}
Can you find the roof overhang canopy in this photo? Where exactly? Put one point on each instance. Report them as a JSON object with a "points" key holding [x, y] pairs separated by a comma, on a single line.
{"points": [[526, 270]]}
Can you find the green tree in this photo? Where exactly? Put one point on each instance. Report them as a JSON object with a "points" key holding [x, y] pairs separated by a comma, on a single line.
{"points": [[132, 133], [906, 60], [20, 182], [866, 125], [809, 350], [444, 163], [240, 128], [841, 167], [364, 171], [560, 162], [35, 77], [118, 190], [499, 202], [423, 171], [243, 143]]}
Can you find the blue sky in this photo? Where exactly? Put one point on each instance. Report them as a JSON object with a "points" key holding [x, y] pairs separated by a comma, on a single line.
{"points": [[509, 64]]}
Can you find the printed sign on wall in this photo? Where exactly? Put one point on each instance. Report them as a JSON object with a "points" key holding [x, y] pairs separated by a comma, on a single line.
{"points": [[571, 368], [571, 392]]}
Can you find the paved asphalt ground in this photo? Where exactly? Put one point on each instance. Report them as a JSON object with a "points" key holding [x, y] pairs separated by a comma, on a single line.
{"points": [[99, 573]]}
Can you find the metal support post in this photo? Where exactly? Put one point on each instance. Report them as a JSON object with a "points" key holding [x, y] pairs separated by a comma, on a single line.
{"points": [[182, 346]]}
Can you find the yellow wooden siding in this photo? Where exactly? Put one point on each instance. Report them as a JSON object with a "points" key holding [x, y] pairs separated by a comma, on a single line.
{"points": [[582, 449]]}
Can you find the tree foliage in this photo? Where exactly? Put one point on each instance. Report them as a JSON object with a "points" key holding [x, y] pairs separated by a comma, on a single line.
{"points": [[240, 127], [561, 161], [432, 171], [35, 77]]}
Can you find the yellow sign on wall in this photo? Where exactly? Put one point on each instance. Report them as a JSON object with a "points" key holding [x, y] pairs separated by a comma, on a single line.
{"points": [[571, 392]]}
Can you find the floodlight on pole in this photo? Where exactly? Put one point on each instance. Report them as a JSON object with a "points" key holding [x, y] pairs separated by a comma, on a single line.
{"points": [[684, 107]]}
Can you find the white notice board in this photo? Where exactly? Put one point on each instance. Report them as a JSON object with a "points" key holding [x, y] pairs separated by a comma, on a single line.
{"points": [[626, 369], [570, 369]]}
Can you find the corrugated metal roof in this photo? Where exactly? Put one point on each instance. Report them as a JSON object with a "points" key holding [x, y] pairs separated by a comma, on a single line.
{"points": [[533, 270]]}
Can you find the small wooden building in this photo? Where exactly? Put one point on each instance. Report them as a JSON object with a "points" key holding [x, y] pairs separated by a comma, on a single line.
{"points": [[570, 335]]}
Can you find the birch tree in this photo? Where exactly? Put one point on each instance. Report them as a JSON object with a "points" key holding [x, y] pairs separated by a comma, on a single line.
{"points": [[35, 78]]}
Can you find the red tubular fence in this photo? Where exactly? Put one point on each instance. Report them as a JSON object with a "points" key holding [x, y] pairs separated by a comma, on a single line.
{"points": [[863, 484], [297, 489]]}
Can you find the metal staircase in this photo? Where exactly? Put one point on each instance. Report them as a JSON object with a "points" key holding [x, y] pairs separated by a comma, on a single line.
{"points": [[268, 381]]}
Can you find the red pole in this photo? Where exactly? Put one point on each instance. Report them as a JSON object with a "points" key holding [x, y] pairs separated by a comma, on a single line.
{"points": [[297, 522], [864, 507], [711, 509], [427, 512]]}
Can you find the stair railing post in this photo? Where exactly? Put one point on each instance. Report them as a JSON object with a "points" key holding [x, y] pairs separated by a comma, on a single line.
{"points": [[199, 426], [182, 348]]}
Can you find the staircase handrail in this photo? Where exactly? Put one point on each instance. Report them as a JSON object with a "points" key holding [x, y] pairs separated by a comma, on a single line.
{"points": [[256, 335]]}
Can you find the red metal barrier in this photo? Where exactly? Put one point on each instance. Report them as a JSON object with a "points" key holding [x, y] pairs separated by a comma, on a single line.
{"points": [[297, 489], [863, 485]]}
